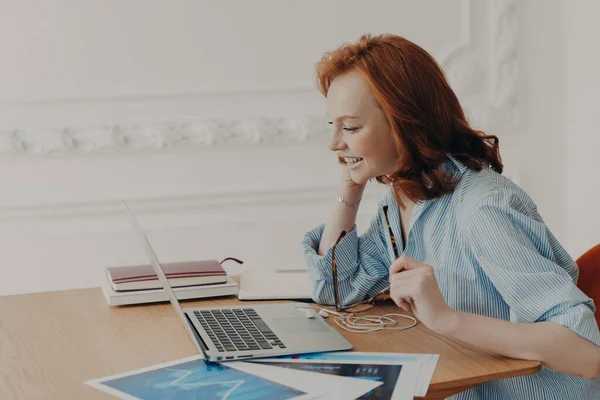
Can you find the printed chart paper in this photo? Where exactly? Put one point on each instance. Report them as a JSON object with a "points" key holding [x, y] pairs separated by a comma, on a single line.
{"points": [[425, 364], [195, 378]]}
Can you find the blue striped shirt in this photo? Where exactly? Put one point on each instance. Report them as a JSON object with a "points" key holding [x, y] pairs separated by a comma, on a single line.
{"points": [[492, 255]]}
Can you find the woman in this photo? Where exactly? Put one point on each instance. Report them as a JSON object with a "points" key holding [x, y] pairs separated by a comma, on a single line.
{"points": [[474, 260]]}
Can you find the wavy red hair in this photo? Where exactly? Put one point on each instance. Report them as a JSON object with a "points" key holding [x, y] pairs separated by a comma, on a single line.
{"points": [[424, 114]]}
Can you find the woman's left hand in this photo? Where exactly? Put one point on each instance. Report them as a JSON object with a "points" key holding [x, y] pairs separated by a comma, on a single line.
{"points": [[416, 281]]}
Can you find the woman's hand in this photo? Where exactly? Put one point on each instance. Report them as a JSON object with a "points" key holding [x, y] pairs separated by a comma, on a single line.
{"points": [[347, 183], [415, 281], [350, 190]]}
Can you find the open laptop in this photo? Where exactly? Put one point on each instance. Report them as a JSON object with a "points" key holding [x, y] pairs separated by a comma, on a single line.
{"points": [[249, 331]]}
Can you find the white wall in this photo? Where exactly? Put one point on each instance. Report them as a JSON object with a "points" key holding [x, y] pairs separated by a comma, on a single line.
{"points": [[583, 131], [205, 117]]}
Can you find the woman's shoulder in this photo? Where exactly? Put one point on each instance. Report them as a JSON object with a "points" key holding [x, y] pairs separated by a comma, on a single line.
{"points": [[487, 185]]}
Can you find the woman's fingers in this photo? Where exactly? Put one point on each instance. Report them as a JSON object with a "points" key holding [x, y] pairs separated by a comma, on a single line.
{"points": [[405, 263], [406, 274], [400, 291]]}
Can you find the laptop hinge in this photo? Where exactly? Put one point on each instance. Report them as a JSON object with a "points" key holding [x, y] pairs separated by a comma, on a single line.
{"points": [[196, 334]]}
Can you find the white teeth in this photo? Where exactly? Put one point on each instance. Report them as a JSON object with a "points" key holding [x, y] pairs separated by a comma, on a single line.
{"points": [[352, 160]]}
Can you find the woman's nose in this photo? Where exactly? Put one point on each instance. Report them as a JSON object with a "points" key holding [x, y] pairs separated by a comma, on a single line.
{"points": [[336, 142]]}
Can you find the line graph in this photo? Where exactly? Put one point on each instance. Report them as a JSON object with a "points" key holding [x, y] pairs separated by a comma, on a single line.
{"points": [[237, 383], [198, 379]]}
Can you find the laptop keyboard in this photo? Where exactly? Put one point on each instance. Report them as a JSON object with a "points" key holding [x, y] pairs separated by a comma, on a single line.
{"points": [[237, 329]]}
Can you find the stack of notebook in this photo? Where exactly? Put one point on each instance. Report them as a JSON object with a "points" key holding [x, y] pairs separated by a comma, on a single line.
{"points": [[136, 284]]}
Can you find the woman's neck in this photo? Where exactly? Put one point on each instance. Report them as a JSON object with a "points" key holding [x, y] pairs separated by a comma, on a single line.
{"points": [[404, 202]]}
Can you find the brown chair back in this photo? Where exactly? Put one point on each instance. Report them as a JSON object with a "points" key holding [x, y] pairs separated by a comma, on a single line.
{"points": [[589, 276]]}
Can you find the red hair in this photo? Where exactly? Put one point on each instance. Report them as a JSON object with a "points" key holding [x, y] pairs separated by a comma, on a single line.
{"points": [[423, 112]]}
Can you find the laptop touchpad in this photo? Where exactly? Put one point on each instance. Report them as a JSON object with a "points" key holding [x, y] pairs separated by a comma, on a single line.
{"points": [[300, 325]]}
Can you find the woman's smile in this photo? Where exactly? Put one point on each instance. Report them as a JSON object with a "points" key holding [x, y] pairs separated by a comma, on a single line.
{"points": [[350, 162]]}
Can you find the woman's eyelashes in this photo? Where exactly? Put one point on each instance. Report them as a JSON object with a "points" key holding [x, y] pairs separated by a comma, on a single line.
{"points": [[346, 128]]}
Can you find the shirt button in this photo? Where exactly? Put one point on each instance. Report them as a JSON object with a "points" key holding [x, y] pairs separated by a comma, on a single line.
{"points": [[411, 240]]}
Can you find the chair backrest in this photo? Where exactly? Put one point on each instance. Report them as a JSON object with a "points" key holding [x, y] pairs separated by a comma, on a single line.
{"points": [[589, 276]]}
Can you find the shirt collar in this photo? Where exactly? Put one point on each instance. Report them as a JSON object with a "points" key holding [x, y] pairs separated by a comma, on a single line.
{"points": [[453, 166]]}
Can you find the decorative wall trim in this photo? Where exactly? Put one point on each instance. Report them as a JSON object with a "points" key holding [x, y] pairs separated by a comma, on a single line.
{"points": [[466, 35], [267, 208], [462, 69], [459, 60], [504, 63], [119, 138], [158, 204], [153, 97], [208, 202]]}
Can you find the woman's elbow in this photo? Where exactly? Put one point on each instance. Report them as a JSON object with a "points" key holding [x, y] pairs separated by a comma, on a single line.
{"points": [[590, 367], [591, 374], [319, 293], [594, 371], [316, 296]]}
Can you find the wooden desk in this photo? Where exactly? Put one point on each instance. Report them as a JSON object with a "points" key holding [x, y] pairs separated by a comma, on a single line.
{"points": [[50, 343]]}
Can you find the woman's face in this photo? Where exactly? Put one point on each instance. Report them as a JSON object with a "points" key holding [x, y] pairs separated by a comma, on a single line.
{"points": [[362, 137]]}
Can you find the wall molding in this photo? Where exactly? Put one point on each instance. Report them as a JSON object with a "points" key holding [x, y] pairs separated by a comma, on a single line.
{"points": [[463, 68], [448, 56], [209, 202], [504, 62], [167, 135], [168, 214]]}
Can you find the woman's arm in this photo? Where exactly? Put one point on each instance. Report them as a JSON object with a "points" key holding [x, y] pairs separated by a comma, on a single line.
{"points": [[536, 278], [362, 269], [362, 266], [343, 217], [557, 347], [551, 320]]}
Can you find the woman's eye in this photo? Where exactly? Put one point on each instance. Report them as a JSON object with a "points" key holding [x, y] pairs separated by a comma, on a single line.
{"points": [[346, 128]]}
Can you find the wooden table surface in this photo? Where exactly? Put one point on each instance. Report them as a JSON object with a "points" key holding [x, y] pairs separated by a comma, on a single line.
{"points": [[51, 342]]}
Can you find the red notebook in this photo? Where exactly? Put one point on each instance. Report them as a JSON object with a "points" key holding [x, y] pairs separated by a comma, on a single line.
{"points": [[188, 273]]}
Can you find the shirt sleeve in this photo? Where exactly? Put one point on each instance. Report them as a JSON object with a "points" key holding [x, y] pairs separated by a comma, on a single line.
{"points": [[362, 268], [527, 266]]}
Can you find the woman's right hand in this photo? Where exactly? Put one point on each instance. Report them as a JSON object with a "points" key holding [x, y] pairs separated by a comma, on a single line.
{"points": [[351, 190], [343, 217]]}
